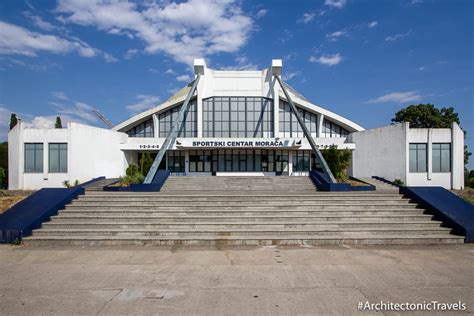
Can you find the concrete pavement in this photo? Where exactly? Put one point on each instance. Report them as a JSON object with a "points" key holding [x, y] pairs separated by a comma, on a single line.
{"points": [[326, 280]]}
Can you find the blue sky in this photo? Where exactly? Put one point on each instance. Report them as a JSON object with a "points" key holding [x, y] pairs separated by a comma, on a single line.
{"points": [[361, 59]]}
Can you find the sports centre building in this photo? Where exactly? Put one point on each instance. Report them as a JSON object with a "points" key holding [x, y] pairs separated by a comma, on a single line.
{"points": [[235, 123]]}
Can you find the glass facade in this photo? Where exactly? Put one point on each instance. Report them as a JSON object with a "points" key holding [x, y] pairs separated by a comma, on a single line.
{"points": [[441, 157], [144, 129], [58, 157], [188, 128], [176, 161], [289, 126], [418, 157], [246, 160], [301, 160], [33, 157], [237, 117], [331, 129]]}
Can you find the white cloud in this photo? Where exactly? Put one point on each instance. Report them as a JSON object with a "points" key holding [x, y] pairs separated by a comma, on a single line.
{"points": [[397, 97], [60, 95], [186, 78], [336, 35], [170, 72], [307, 17], [181, 30], [39, 21], [16, 40], [43, 122], [153, 70], [335, 3], [328, 60], [109, 58], [415, 2], [373, 24], [132, 52], [291, 75], [397, 37], [242, 63], [261, 13], [421, 68], [144, 102]]}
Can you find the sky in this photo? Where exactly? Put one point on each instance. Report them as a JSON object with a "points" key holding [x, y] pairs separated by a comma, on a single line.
{"points": [[364, 60]]}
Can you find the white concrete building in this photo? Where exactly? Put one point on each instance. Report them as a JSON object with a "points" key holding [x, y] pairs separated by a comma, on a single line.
{"points": [[239, 122]]}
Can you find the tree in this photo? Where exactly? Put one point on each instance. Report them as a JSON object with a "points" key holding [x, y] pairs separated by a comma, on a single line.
{"points": [[13, 121], [58, 123], [338, 161], [428, 116], [145, 163]]}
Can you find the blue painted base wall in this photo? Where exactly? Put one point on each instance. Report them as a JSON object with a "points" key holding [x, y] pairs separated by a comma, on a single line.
{"points": [[445, 206], [18, 221]]}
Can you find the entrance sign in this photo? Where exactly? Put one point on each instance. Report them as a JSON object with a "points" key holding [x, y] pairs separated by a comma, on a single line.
{"points": [[238, 143]]}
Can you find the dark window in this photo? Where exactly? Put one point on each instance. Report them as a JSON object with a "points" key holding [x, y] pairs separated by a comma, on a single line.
{"points": [[331, 129], [144, 129], [441, 157], [33, 157], [301, 161], [418, 158], [289, 126], [176, 161], [58, 158], [189, 125], [237, 117]]}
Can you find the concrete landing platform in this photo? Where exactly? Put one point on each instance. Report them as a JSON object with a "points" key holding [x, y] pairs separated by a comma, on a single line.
{"points": [[325, 280]]}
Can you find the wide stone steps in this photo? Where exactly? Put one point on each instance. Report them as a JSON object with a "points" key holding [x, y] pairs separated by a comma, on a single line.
{"points": [[238, 232], [257, 212], [255, 240], [157, 225], [215, 211]]}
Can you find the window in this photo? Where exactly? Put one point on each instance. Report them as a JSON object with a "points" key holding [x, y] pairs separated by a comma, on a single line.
{"points": [[237, 117], [441, 157], [176, 161], [289, 126], [301, 160], [418, 159], [58, 158], [144, 129], [33, 157], [331, 129], [189, 125]]}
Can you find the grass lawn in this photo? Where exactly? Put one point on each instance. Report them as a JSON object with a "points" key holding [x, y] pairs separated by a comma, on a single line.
{"points": [[467, 194], [10, 198]]}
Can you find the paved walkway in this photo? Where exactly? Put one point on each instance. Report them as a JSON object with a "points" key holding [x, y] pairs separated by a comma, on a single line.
{"points": [[206, 281]]}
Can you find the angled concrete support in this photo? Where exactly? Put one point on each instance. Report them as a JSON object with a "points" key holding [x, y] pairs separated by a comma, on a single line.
{"points": [[170, 139], [316, 151]]}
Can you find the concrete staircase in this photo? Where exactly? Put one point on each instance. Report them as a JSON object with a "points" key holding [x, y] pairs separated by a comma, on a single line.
{"points": [[241, 211]]}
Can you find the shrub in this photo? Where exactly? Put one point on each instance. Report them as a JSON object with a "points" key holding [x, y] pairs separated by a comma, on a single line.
{"points": [[132, 176], [76, 183], [398, 182], [338, 161], [66, 184], [471, 183]]}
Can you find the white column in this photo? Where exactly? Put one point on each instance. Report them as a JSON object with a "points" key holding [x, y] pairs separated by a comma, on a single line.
{"points": [[429, 154], [457, 157], [276, 108], [186, 162], [156, 125], [290, 163], [320, 119]]}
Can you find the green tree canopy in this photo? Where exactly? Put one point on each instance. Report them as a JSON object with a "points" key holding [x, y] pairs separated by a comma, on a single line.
{"points": [[13, 121], [426, 116], [58, 123]]}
